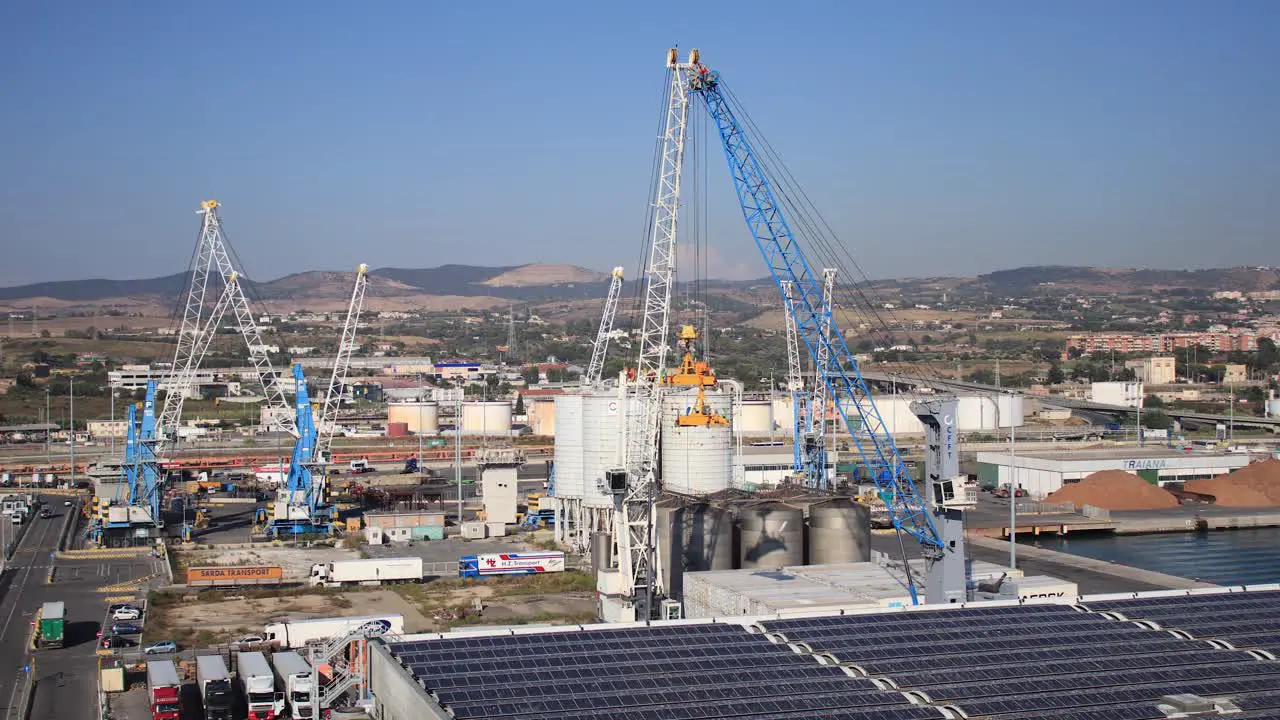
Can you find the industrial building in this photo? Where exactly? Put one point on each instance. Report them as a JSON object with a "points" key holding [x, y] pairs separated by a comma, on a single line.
{"points": [[1120, 394], [1153, 370], [396, 527], [1044, 471], [1134, 656]]}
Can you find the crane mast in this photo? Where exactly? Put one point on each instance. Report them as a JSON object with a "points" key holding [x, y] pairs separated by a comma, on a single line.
{"points": [[212, 258], [795, 380], [636, 551], [601, 346]]}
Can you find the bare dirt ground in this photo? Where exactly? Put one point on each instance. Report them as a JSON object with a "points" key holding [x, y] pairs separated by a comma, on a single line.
{"points": [[296, 562]]}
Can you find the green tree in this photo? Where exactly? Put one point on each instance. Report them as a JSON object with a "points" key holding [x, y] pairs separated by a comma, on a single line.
{"points": [[1153, 401], [1056, 376], [530, 374], [1156, 420], [519, 408]]}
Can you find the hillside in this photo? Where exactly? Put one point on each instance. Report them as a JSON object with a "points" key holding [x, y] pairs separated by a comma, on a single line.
{"points": [[536, 275], [1036, 279]]}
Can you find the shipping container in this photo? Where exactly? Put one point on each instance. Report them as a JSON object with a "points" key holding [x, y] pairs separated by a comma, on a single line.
{"points": [[52, 626], [510, 564], [244, 575]]}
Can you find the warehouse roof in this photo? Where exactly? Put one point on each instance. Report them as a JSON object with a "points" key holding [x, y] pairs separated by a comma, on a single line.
{"points": [[1117, 657]]}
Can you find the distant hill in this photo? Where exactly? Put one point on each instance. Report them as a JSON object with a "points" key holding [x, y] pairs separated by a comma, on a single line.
{"points": [[1035, 279], [87, 290]]}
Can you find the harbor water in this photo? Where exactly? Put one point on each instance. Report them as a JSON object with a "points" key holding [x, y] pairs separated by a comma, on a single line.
{"points": [[1228, 557]]}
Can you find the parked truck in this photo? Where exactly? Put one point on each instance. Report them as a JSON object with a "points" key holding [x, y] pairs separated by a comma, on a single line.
{"points": [[259, 684], [294, 673], [164, 690], [297, 633], [215, 687], [366, 572], [52, 625], [474, 566]]}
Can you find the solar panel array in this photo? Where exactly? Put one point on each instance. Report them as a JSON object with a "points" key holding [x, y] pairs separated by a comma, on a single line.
{"points": [[1008, 663], [685, 671], [1053, 661]]}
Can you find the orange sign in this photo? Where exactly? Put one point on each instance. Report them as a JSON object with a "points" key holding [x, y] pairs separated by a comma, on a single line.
{"points": [[240, 575]]}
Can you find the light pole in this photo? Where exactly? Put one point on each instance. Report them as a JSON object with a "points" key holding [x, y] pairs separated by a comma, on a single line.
{"points": [[48, 420], [73, 432], [457, 455], [1013, 488]]}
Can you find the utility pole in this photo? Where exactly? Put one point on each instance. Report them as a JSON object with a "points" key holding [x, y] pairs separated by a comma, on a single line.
{"points": [[48, 420], [457, 456], [73, 432], [1013, 487]]}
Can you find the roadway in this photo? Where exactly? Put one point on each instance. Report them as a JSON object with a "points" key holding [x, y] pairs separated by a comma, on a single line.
{"points": [[66, 682]]}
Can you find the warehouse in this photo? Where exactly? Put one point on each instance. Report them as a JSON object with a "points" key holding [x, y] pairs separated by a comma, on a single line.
{"points": [[1044, 471], [1099, 656]]}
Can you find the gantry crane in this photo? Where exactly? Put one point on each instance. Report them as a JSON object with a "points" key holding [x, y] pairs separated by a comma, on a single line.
{"points": [[834, 364], [601, 346], [212, 264], [809, 409]]}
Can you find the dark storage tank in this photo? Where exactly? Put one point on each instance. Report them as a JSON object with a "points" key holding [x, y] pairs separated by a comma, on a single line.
{"points": [[839, 532], [771, 535]]}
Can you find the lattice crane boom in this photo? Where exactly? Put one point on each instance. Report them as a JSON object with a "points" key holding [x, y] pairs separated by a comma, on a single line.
{"points": [[786, 262], [795, 379], [341, 365], [601, 346], [213, 259]]}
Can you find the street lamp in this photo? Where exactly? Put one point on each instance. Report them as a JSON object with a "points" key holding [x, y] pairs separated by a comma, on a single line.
{"points": [[1013, 484]]}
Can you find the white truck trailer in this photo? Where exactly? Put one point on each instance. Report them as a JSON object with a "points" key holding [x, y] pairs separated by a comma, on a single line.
{"points": [[374, 571], [297, 633], [259, 686], [294, 673]]}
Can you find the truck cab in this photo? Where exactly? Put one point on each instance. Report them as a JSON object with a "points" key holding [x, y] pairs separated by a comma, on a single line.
{"points": [[360, 466]]}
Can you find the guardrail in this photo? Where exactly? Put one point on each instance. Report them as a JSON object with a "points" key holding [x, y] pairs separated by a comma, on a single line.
{"points": [[1035, 507], [1095, 512]]}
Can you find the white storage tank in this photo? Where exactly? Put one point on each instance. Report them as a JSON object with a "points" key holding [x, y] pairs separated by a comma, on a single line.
{"points": [[696, 460], [492, 417], [422, 418], [754, 417], [895, 410], [783, 412], [978, 412], [568, 448], [601, 434]]}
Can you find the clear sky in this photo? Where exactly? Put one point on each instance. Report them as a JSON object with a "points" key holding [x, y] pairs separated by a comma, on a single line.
{"points": [[937, 137]]}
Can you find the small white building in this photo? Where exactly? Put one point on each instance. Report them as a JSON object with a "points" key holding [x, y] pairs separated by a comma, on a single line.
{"points": [[1120, 394], [1045, 471]]}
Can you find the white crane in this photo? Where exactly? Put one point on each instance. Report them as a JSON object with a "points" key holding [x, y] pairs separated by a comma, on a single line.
{"points": [[213, 262], [636, 542], [341, 365], [601, 347], [795, 377]]}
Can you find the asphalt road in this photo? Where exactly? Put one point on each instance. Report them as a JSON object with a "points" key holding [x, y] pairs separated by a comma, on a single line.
{"points": [[66, 683]]}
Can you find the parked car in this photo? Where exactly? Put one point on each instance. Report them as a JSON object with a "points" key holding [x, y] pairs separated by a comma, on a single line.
{"points": [[126, 628], [127, 612], [247, 642], [46, 513], [116, 641], [161, 647]]}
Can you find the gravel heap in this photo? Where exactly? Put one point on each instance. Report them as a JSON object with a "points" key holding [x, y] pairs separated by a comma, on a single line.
{"points": [[1114, 490], [1254, 485]]}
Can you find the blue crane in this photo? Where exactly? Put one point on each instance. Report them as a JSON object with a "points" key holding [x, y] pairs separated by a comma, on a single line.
{"points": [[813, 322], [299, 508]]}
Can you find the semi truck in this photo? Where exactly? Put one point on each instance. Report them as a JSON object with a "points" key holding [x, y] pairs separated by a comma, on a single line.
{"points": [[259, 686], [297, 633], [474, 566], [294, 673], [164, 690], [52, 626], [215, 687], [366, 572]]}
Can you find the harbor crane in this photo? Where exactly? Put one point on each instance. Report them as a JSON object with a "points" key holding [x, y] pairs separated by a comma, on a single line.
{"points": [[300, 506], [601, 346], [834, 364], [809, 409], [211, 265]]}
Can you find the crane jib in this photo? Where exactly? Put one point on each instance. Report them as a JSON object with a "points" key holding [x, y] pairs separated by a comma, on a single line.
{"points": [[787, 264]]}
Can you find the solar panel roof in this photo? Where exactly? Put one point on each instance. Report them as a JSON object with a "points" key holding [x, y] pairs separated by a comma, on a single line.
{"points": [[1088, 662]]}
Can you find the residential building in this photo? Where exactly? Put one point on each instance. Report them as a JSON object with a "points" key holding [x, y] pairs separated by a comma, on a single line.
{"points": [[1235, 374]]}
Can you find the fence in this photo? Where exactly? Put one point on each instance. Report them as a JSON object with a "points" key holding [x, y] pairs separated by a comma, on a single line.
{"points": [[1036, 507], [1095, 512]]}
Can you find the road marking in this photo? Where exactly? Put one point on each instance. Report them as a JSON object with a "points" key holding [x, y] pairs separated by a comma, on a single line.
{"points": [[17, 597]]}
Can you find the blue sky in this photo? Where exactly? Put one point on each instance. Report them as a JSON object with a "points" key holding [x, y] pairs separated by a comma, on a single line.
{"points": [[938, 138]]}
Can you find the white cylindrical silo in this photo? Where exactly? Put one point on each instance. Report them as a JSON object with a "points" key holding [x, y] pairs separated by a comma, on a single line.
{"points": [[783, 412], [754, 417], [491, 417], [978, 412], [423, 418], [542, 417], [895, 411], [601, 434], [696, 460], [568, 447]]}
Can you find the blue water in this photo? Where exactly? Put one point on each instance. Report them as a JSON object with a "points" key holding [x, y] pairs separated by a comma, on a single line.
{"points": [[1227, 557]]}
